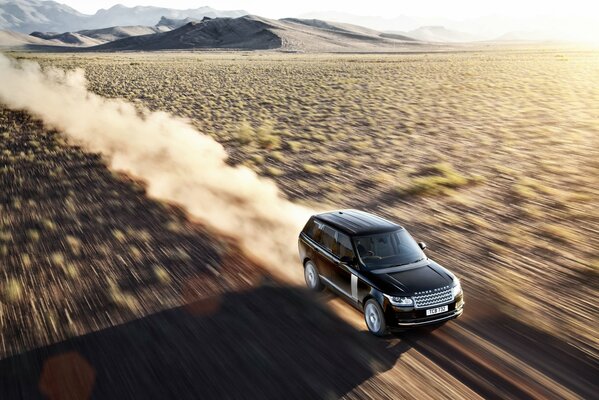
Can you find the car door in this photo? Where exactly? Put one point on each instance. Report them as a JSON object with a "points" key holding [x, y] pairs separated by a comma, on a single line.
{"points": [[325, 257], [343, 275]]}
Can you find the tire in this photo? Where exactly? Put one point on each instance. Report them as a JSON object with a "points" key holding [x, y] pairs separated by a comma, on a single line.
{"points": [[375, 318], [312, 278]]}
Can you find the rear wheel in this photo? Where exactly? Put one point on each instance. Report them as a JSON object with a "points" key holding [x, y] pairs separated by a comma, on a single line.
{"points": [[312, 278], [374, 317]]}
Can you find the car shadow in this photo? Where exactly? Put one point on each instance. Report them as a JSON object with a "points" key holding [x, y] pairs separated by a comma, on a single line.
{"points": [[267, 342]]}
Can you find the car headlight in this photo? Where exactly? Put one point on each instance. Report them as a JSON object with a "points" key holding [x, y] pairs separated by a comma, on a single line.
{"points": [[400, 301], [456, 289]]}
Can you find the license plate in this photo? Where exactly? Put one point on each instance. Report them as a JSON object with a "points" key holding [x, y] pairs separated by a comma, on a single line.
{"points": [[436, 310]]}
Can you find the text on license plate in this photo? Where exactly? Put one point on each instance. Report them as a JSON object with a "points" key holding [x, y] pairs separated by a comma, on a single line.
{"points": [[436, 310]]}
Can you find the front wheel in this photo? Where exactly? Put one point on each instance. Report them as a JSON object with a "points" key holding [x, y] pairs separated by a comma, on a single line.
{"points": [[312, 278], [375, 319]]}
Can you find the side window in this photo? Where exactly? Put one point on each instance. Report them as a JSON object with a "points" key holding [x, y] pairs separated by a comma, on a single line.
{"points": [[310, 229], [345, 247], [327, 239], [317, 231]]}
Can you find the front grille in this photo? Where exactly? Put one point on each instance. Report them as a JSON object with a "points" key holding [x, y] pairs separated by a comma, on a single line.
{"points": [[429, 298]]}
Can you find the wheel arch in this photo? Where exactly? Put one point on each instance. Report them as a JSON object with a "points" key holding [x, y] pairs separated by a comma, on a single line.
{"points": [[376, 295], [366, 298]]}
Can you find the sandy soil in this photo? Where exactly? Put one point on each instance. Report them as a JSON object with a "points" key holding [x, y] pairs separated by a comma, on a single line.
{"points": [[107, 292]]}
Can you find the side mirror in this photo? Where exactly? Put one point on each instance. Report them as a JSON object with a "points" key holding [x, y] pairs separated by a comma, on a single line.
{"points": [[422, 245]]}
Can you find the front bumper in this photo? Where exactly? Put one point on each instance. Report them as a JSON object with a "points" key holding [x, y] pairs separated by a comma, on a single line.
{"points": [[433, 319], [406, 318]]}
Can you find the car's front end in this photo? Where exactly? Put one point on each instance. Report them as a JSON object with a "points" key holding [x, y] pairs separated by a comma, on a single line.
{"points": [[425, 307], [422, 293]]}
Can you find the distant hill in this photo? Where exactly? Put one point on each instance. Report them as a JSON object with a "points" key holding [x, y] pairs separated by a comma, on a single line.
{"points": [[173, 23], [439, 34], [257, 33], [94, 37], [490, 27], [68, 38], [49, 16], [120, 32], [16, 40], [120, 15], [527, 36], [242, 33], [390, 23], [346, 29], [34, 15]]}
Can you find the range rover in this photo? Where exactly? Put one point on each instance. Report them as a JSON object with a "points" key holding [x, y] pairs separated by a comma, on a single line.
{"points": [[378, 267]]}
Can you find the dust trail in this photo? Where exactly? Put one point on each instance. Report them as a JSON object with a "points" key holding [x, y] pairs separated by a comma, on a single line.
{"points": [[178, 163]]}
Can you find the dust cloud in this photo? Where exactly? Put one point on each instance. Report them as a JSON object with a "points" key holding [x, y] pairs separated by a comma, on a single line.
{"points": [[178, 163]]}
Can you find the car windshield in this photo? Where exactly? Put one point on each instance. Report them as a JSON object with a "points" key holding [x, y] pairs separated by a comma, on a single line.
{"points": [[388, 249]]}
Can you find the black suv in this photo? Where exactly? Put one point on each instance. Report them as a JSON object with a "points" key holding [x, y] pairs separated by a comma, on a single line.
{"points": [[379, 268]]}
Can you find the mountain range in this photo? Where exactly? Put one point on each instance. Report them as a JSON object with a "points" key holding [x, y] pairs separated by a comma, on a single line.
{"points": [[52, 24], [49, 16], [481, 28], [248, 32], [251, 32]]}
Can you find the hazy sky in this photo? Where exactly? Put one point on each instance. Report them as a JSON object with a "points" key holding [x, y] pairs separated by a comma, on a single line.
{"points": [[455, 9]]}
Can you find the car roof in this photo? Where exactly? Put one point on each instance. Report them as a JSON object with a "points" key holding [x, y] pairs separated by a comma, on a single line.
{"points": [[355, 222]]}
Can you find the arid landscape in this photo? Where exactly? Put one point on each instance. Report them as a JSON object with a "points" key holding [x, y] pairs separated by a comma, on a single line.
{"points": [[491, 157]]}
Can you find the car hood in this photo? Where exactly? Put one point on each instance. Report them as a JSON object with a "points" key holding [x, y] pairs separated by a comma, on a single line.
{"points": [[408, 279]]}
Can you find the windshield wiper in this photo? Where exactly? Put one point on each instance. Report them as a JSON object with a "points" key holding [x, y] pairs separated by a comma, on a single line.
{"points": [[408, 263]]}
